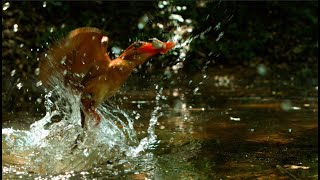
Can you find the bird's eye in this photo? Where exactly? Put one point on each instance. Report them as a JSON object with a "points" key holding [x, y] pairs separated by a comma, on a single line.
{"points": [[137, 44]]}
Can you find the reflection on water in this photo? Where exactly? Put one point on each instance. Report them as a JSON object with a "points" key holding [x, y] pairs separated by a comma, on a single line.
{"points": [[231, 130]]}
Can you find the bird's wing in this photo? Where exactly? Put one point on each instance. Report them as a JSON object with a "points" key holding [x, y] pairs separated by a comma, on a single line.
{"points": [[87, 49]]}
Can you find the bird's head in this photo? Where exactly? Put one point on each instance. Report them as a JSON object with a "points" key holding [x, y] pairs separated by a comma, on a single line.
{"points": [[140, 51]]}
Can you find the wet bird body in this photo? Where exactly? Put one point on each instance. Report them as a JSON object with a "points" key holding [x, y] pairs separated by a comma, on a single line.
{"points": [[81, 62]]}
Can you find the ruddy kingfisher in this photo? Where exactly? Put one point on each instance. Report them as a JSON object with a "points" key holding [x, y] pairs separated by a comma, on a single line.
{"points": [[82, 63]]}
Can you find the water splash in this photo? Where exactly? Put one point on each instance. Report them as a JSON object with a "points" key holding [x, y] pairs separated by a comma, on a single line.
{"points": [[57, 143]]}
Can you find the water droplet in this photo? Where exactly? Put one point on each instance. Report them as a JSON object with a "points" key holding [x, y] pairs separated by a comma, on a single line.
{"points": [[140, 25], [13, 72], [21, 45], [262, 70], [6, 6], [19, 85], [160, 5], [15, 27], [39, 83], [44, 4], [188, 21], [51, 29], [37, 71], [217, 27], [286, 105], [116, 50], [160, 25], [220, 36], [175, 92], [176, 17], [63, 60], [195, 90], [234, 118]]}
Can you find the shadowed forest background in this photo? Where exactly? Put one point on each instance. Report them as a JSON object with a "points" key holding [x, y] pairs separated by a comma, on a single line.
{"points": [[280, 35]]}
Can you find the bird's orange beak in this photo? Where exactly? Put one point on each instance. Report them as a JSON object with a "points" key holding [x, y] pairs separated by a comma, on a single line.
{"points": [[156, 46]]}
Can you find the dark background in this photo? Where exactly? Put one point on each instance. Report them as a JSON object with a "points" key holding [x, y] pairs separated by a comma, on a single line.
{"points": [[281, 35]]}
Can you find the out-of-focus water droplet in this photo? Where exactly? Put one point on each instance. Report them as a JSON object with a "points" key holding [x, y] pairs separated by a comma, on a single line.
{"points": [[39, 83], [176, 17], [5, 6], [143, 21], [116, 50], [63, 60], [261, 69], [195, 90], [234, 118], [140, 25], [188, 21], [13, 72], [15, 28], [21, 45], [296, 108], [220, 36], [217, 27], [290, 130], [37, 71], [19, 85], [160, 25], [44, 4], [286, 105], [51, 29], [175, 92]]}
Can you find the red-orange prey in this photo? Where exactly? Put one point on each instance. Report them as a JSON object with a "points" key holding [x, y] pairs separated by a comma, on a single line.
{"points": [[81, 62]]}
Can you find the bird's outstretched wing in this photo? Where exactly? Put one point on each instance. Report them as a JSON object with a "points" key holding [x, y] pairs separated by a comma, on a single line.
{"points": [[71, 58]]}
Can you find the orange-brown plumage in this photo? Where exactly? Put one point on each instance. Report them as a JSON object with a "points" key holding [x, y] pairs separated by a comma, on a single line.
{"points": [[81, 62]]}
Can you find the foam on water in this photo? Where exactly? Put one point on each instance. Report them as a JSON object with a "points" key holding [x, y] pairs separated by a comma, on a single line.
{"points": [[54, 146]]}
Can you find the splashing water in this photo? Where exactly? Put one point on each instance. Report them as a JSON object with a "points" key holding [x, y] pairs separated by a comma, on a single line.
{"points": [[57, 143]]}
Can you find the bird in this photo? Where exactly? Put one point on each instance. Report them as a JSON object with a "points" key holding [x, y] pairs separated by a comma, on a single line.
{"points": [[81, 62]]}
